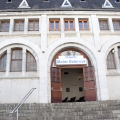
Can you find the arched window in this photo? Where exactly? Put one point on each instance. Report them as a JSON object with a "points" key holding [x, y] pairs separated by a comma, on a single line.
{"points": [[111, 60], [119, 53], [31, 62], [16, 60], [3, 62]]}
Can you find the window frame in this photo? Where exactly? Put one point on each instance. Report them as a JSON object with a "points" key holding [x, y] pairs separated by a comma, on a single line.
{"points": [[84, 20], [103, 28], [56, 20], [15, 60], [69, 29], [19, 22], [116, 24], [5, 28], [33, 21]]}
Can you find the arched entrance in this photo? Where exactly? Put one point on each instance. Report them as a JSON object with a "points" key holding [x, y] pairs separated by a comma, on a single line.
{"points": [[72, 76]]}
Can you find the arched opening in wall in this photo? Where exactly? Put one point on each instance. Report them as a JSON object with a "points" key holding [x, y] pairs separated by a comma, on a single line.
{"points": [[72, 77]]}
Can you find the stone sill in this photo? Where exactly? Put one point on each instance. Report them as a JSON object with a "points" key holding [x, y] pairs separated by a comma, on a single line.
{"points": [[20, 77], [19, 33]]}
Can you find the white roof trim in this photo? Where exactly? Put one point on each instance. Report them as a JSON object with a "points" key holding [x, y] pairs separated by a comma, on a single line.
{"points": [[66, 3], [24, 4], [107, 4]]}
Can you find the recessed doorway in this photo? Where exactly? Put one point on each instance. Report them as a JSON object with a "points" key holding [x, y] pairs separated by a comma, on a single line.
{"points": [[72, 83]]}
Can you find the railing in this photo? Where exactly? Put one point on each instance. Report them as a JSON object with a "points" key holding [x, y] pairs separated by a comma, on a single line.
{"points": [[23, 100]]}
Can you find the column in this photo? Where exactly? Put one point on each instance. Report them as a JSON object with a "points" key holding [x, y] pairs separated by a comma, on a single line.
{"points": [[116, 57], [43, 32], [11, 26], [8, 61], [26, 25], [62, 27], [111, 25], [96, 30], [77, 27], [102, 85], [23, 61]]}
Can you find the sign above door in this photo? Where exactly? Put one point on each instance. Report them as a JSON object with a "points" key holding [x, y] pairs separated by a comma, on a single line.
{"points": [[71, 60]]}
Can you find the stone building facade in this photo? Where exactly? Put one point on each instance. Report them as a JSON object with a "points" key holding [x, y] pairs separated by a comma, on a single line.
{"points": [[32, 35]]}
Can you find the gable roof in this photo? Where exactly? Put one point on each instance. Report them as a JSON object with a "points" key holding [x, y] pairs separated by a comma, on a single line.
{"points": [[56, 5]]}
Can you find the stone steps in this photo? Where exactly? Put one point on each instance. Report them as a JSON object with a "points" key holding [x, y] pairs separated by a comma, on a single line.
{"points": [[102, 110]]}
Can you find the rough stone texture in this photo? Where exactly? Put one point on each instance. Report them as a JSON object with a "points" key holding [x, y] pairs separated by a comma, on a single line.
{"points": [[103, 110]]}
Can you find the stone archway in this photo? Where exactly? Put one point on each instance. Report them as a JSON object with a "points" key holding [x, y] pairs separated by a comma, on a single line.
{"points": [[57, 82]]}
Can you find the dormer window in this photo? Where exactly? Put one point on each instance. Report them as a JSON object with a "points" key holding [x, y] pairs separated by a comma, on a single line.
{"points": [[24, 4], [9, 1], [66, 3], [107, 4], [82, 0], [118, 1], [45, 0]]}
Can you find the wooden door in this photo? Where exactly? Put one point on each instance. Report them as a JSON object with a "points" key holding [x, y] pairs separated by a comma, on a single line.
{"points": [[56, 90], [89, 84]]}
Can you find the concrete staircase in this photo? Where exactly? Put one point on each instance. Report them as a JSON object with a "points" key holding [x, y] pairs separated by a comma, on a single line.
{"points": [[103, 110]]}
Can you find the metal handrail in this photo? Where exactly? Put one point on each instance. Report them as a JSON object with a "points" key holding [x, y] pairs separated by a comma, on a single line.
{"points": [[23, 100]]}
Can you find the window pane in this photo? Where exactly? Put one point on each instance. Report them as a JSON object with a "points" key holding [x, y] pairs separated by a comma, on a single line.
{"points": [[7, 26], [30, 25], [31, 62], [16, 60], [51, 24], [16, 26], [105, 25], [3, 62], [66, 24], [21, 26], [85, 25], [57, 24], [71, 25], [2, 27], [80, 25], [114, 25], [110, 61], [100, 24], [117, 25], [36, 26]]}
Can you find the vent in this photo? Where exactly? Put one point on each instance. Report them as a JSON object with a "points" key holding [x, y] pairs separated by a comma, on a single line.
{"points": [[24, 4], [66, 3]]}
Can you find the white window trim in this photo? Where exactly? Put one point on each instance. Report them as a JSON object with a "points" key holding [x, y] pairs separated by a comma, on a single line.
{"points": [[21, 5], [104, 5], [69, 4]]}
